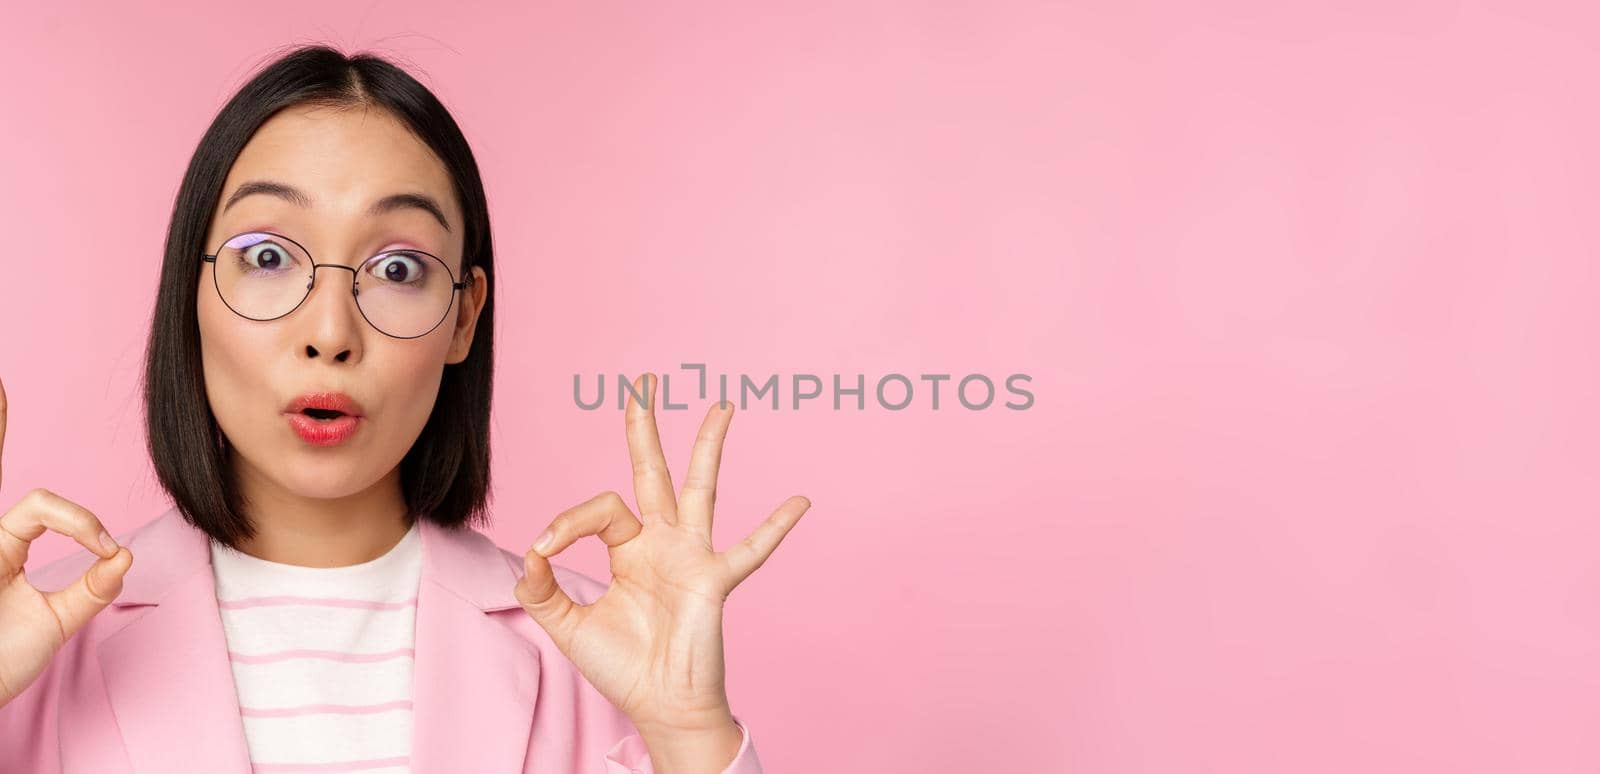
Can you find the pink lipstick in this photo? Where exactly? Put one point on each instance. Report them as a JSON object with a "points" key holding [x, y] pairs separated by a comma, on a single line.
{"points": [[324, 418], [324, 432]]}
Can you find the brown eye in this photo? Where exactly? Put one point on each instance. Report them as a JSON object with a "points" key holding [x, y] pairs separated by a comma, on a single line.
{"points": [[399, 269], [265, 256]]}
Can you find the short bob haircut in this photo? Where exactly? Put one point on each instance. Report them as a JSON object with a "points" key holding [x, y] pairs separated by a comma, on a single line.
{"points": [[445, 474]]}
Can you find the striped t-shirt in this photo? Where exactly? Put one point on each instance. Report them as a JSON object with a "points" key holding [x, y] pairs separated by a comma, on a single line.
{"points": [[322, 658]]}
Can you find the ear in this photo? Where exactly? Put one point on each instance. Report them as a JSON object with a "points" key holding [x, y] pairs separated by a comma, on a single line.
{"points": [[473, 297]]}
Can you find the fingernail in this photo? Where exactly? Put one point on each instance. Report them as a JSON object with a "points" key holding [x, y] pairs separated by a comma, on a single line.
{"points": [[543, 542], [107, 543]]}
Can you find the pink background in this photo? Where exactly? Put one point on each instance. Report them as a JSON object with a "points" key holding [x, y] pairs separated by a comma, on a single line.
{"points": [[1308, 297]]}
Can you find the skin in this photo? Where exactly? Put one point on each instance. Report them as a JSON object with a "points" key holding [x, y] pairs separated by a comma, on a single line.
{"points": [[338, 505], [652, 644]]}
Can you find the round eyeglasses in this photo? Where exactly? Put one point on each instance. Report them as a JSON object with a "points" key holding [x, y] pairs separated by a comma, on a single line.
{"points": [[403, 293]]}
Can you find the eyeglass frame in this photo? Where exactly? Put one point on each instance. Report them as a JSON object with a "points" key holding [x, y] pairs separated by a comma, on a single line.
{"points": [[355, 292]]}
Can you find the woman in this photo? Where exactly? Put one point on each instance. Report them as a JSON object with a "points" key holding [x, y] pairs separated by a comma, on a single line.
{"points": [[317, 598]]}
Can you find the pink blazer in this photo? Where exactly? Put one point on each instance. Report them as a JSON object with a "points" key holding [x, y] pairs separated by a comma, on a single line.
{"points": [[146, 686]]}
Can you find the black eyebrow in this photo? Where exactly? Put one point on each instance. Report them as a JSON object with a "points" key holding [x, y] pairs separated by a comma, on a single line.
{"points": [[285, 192], [294, 196], [402, 201]]}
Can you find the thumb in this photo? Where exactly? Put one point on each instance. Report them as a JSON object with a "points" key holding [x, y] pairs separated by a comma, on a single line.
{"points": [[545, 600], [89, 594]]}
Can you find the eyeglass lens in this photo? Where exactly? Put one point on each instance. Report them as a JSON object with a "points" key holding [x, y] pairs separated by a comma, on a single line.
{"points": [[402, 293]]}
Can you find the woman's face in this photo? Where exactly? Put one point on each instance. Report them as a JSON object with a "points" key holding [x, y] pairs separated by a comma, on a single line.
{"points": [[341, 161]]}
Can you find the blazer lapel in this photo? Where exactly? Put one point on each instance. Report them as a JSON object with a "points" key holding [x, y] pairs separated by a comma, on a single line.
{"points": [[474, 684], [167, 672], [475, 680]]}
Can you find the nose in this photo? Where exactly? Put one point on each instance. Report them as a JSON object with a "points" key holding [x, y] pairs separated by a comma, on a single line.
{"points": [[330, 322]]}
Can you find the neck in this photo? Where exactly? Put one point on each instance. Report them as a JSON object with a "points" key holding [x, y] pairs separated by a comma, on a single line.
{"points": [[321, 532]]}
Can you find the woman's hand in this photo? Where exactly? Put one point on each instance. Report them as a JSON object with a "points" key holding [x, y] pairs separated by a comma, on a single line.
{"points": [[34, 625], [652, 644]]}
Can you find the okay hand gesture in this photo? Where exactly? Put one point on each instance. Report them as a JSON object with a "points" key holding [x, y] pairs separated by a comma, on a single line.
{"points": [[652, 644], [33, 624]]}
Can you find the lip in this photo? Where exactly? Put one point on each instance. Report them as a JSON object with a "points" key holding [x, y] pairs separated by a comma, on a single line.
{"points": [[324, 432], [334, 401]]}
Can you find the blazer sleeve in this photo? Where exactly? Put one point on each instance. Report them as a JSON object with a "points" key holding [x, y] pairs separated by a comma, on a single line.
{"points": [[630, 756]]}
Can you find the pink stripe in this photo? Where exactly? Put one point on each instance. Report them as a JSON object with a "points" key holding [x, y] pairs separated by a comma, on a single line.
{"points": [[248, 602], [329, 655], [376, 763], [324, 709]]}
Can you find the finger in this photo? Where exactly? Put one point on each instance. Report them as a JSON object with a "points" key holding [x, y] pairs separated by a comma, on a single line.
{"points": [[2, 430], [652, 482], [43, 509], [753, 551], [545, 601], [89, 594], [699, 496], [605, 515]]}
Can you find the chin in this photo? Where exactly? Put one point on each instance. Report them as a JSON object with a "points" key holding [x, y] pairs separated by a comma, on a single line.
{"points": [[329, 483]]}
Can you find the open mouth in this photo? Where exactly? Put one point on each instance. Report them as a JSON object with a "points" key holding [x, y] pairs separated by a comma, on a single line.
{"points": [[322, 414]]}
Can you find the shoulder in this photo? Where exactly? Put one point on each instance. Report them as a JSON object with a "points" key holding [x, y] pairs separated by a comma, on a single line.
{"points": [[582, 588], [61, 572], [472, 564]]}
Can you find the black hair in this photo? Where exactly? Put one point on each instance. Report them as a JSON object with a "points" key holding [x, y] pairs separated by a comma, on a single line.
{"points": [[445, 474]]}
